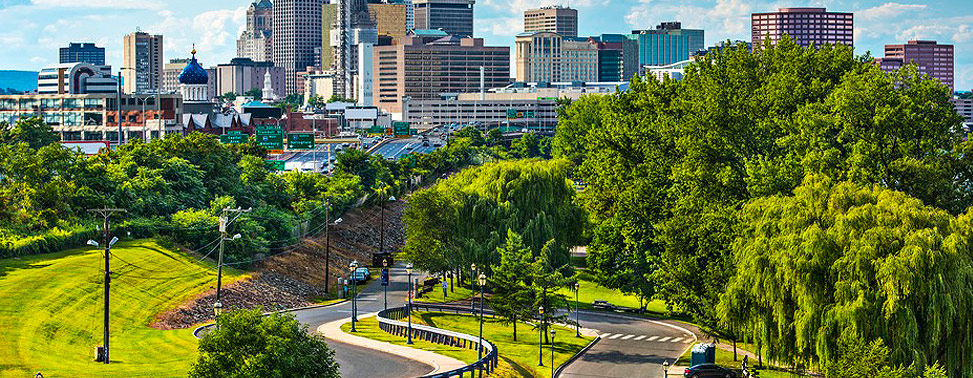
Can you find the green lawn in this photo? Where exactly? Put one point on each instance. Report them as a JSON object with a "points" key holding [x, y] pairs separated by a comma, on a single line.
{"points": [[590, 292], [51, 312], [436, 296]]}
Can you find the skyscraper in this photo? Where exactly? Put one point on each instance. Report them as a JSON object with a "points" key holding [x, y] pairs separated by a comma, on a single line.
{"points": [[296, 25], [618, 57], [354, 27], [84, 52], [930, 58], [455, 17], [551, 57], [806, 26], [668, 43], [557, 19], [142, 68], [256, 41]]}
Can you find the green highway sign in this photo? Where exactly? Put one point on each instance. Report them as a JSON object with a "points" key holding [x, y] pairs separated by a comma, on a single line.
{"points": [[401, 128], [270, 137], [511, 113], [234, 138], [300, 141], [234, 132], [274, 165]]}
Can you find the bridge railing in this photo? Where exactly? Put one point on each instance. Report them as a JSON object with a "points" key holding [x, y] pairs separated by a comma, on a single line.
{"points": [[390, 321]]}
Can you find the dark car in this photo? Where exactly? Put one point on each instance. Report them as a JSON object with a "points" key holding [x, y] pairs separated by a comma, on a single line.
{"points": [[709, 370]]}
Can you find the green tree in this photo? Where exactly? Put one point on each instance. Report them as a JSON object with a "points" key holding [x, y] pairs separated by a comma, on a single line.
{"points": [[33, 131], [511, 282], [229, 97], [255, 93], [858, 359], [474, 134], [249, 344], [494, 137], [574, 123], [842, 257]]}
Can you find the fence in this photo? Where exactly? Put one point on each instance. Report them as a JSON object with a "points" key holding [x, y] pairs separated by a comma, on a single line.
{"points": [[388, 321]]}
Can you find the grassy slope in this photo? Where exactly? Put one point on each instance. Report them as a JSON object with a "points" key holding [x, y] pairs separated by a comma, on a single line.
{"points": [[51, 312], [591, 291]]}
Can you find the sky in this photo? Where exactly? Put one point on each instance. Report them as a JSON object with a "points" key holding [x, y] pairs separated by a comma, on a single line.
{"points": [[33, 30]]}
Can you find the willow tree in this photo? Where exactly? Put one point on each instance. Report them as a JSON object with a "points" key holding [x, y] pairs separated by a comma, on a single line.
{"points": [[843, 257]]}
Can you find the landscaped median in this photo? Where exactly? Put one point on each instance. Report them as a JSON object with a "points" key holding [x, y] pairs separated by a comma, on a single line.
{"points": [[517, 358]]}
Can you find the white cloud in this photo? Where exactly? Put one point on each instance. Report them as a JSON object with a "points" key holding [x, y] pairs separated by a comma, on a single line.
{"points": [[504, 26], [107, 4], [721, 19], [885, 11]]}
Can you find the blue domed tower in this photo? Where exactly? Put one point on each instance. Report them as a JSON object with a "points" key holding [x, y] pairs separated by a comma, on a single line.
{"points": [[194, 81]]}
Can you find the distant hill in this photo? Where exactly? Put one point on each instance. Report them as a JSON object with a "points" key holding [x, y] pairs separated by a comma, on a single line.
{"points": [[18, 80]]}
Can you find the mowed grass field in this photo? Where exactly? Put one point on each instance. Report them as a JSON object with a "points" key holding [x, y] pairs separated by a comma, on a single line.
{"points": [[51, 311]]}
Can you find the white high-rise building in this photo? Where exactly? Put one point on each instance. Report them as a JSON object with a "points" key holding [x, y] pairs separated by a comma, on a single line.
{"points": [[296, 25]]}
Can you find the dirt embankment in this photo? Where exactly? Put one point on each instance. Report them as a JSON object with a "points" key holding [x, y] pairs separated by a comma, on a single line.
{"points": [[295, 278]]}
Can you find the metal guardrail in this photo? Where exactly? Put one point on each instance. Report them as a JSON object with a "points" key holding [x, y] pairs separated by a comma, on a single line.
{"points": [[388, 322]]}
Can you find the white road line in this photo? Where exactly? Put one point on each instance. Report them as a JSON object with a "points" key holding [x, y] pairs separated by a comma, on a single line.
{"points": [[628, 337], [676, 340], [605, 335], [652, 338], [615, 336], [687, 341], [639, 338], [662, 340]]}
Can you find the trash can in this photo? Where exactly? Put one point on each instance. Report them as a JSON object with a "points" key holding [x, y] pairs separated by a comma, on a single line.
{"points": [[703, 354], [99, 354]]}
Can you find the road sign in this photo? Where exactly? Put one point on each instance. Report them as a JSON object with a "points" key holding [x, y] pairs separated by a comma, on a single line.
{"points": [[274, 165], [234, 138], [385, 277], [275, 152], [234, 132], [270, 137], [444, 286], [300, 141], [511, 113], [400, 128]]}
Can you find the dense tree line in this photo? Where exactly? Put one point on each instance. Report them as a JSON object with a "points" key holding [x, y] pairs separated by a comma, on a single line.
{"points": [[177, 188], [786, 196]]}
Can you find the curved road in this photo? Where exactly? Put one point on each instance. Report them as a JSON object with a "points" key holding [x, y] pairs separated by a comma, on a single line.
{"points": [[360, 362]]}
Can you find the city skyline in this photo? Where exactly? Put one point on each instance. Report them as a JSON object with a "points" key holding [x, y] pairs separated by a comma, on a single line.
{"points": [[38, 28]]}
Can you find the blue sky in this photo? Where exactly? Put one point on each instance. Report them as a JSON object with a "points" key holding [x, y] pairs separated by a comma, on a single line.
{"points": [[33, 30]]}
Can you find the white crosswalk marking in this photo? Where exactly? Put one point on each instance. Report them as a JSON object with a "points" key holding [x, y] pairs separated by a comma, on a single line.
{"points": [[615, 336], [676, 340], [687, 341], [639, 338], [628, 337], [652, 338], [662, 340], [605, 335]]}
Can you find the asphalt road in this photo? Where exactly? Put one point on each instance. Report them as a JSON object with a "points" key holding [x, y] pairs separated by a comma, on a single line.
{"points": [[630, 347], [360, 362], [398, 148]]}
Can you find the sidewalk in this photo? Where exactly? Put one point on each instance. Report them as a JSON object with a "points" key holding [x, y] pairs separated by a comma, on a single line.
{"points": [[439, 362]]}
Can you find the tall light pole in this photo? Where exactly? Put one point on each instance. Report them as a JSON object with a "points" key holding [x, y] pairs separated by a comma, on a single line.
{"points": [[385, 284], [354, 296], [577, 314], [327, 248], [408, 269], [106, 214], [225, 221], [145, 127], [381, 241], [472, 289], [540, 336], [553, 331], [482, 280]]}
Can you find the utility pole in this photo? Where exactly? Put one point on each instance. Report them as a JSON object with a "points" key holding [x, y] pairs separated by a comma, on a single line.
{"points": [[106, 215], [224, 222]]}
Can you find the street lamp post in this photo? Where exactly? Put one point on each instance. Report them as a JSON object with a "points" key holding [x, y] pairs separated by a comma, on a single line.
{"points": [[354, 296], [327, 248], [553, 331], [385, 272], [472, 289], [482, 280], [381, 241], [540, 336], [577, 314], [408, 269], [665, 368], [145, 126]]}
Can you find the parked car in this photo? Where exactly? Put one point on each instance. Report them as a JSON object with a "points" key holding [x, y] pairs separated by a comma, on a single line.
{"points": [[709, 370]]}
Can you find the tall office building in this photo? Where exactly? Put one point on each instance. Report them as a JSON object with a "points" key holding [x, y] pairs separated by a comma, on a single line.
{"points": [[256, 41], [242, 75], [83, 53], [391, 20], [668, 43], [142, 68], [551, 57], [930, 58], [618, 56], [557, 19], [296, 25], [353, 28], [806, 26], [455, 17], [76, 78], [427, 64]]}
